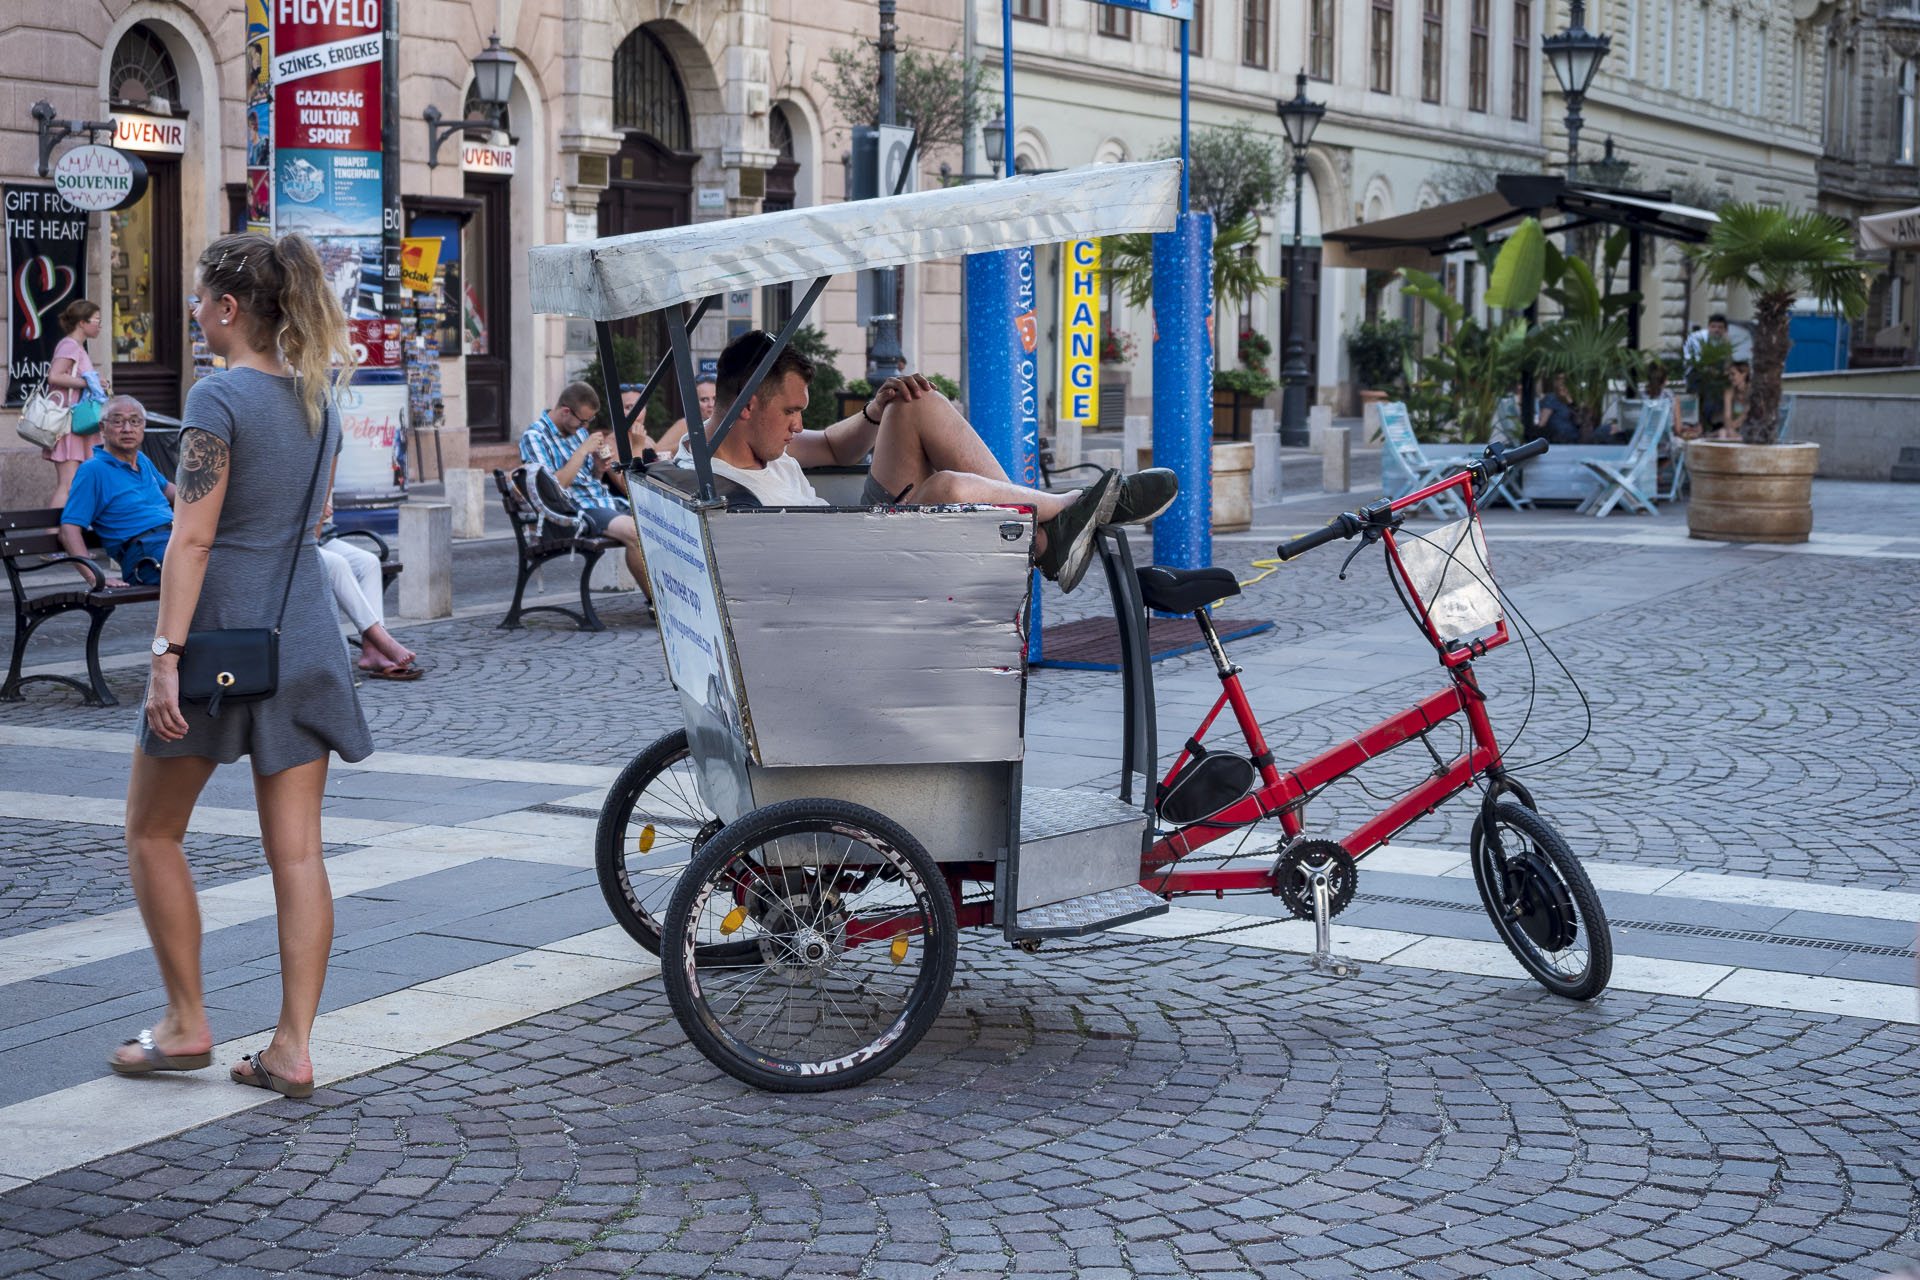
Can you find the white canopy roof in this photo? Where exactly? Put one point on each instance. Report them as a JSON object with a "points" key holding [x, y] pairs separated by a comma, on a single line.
{"points": [[619, 276], [1899, 230]]}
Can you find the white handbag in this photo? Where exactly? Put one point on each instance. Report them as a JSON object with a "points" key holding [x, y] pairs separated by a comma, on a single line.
{"points": [[45, 418]]}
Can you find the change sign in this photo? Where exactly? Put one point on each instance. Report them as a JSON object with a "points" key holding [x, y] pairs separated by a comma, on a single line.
{"points": [[1080, 332]]}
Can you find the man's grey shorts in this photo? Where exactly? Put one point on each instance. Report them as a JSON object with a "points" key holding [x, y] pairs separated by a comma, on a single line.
{"points": [[875, 494]]}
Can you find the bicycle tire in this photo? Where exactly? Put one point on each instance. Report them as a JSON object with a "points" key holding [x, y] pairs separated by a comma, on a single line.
{"points": [[637, 907], [1512, 889], [692, 912]]}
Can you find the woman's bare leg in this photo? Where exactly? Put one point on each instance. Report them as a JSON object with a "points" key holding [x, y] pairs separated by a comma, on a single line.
{"points": [[161, 793], [289, 806], [63, 480]]}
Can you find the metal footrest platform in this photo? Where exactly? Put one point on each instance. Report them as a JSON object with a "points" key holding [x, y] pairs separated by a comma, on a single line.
{"points": [[1089, 913]]}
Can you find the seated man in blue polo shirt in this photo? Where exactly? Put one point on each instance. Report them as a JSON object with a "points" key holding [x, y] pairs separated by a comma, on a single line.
{"points": [[122, 497]]}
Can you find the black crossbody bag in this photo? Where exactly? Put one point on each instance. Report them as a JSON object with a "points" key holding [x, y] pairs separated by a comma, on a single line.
{"points": [[242, 664]]}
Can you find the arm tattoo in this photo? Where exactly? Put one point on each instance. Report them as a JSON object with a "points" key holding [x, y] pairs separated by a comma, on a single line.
{"points": [[203, 464]]}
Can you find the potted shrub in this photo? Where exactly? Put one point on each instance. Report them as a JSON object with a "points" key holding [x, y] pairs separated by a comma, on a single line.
{"points": [[1756, 490], [1238, 392], [1377, 349]]}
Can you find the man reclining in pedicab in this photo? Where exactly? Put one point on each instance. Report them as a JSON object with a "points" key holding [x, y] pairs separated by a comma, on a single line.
{"points": [[923, 452]]}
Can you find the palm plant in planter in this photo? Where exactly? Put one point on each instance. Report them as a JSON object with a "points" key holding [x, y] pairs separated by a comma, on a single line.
{"points": [[1759, 491]]}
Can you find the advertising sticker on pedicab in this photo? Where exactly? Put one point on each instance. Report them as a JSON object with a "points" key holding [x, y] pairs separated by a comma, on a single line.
{"points": [[689, 609]]}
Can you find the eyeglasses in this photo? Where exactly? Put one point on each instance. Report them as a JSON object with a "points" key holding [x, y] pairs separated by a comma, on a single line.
{"points": [[125, 420]]}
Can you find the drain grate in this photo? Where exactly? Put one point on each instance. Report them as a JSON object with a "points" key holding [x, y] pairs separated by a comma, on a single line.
{"points": [[562, 810], [1679, 930]]}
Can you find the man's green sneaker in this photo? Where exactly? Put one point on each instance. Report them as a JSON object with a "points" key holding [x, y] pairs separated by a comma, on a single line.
{"points": [[1070, 534], [1145, 494]]}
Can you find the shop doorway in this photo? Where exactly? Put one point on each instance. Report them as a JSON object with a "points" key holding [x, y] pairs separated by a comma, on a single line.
{"points": [[487, 259], [149, 308]]}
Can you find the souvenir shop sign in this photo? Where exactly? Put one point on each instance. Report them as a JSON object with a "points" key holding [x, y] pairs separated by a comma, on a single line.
{"points": [[483, 158], [46, 269], [94, 178], [149, 133]]}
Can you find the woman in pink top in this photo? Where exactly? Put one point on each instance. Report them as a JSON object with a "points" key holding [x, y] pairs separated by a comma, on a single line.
{"points": [[71, 365]]}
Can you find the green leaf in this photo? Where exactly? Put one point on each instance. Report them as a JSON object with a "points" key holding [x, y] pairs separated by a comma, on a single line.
{"points": [[1431, 291], [1518, 271]]}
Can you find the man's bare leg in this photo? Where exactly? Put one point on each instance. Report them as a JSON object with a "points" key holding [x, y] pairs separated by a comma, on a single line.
{"points": [[943, 487], [922, 436]]}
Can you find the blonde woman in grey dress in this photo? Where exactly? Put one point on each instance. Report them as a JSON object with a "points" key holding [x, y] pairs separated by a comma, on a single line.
{"points": [[252, 434]]}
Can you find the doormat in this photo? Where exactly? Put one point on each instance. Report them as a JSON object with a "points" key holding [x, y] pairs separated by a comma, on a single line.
{"points": [[1093, 644]]}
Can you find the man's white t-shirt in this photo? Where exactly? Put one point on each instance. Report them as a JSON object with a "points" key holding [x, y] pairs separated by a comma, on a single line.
{"points": [[781, 483]]}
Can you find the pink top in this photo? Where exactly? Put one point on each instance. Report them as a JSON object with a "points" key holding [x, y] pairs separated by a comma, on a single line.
{"points": [[73, 349]]}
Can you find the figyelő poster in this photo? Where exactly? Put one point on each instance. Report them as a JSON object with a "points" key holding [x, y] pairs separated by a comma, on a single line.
{"points": [[327, 182], [46, 270]]}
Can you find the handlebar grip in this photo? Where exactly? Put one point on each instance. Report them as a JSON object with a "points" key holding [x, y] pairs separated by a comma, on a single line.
{"points": [[1341, 526], [1520, 453]]}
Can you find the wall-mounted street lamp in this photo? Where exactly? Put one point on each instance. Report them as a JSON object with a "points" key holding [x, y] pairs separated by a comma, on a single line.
{"points": [[492, 87], [1575, 55], [1609, 170], [1299, 118]]}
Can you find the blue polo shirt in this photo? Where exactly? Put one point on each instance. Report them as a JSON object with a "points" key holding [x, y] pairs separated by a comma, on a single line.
{"points": [[116, 501]]}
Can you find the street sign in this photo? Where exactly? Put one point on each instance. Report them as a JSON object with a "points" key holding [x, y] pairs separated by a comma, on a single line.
{"points": [[895, 142], [95, 178]]}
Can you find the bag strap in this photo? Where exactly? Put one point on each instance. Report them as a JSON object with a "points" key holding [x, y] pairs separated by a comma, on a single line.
{"points": [[306, 505]]}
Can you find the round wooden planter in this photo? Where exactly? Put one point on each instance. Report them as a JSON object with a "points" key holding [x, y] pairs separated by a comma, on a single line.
{"points": [[1751, 492]]}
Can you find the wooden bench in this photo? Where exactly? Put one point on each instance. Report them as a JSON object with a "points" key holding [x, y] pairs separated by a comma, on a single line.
{"points": [[540, 544], [389, 567], [30, 542]]}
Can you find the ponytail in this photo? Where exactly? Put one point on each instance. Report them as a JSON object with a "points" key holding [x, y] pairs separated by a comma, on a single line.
{"points": [[313, 330], [283, 289]]}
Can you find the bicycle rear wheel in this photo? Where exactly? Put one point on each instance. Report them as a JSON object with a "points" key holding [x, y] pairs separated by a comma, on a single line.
{"points": [[809, 946], [1542, 904], [651, 823]]}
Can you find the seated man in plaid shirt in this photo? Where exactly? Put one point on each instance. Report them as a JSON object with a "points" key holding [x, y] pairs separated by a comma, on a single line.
{"points": [[577, 459]]}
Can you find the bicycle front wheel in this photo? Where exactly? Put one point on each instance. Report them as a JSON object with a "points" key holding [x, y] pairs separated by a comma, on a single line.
{"points": [[1543, 905], [809, 946]]}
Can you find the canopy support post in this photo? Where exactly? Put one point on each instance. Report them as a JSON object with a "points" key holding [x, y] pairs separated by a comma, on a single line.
{"points": [[682, 352], [772, 353]]}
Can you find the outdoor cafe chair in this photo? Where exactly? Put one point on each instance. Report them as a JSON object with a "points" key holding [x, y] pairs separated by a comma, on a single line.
{"points": [[1633, 479], [1404, 456]]}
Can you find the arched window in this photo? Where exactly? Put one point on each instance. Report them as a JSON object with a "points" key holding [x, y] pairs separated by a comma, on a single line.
{"points": [[142, 73], [780, 133], [647, 94]]}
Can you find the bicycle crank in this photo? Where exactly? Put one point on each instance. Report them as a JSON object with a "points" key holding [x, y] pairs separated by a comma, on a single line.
{"points": [[1316, 879]]}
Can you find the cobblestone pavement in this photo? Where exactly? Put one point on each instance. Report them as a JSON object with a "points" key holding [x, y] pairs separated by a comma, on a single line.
{"points": [[1190, 1110], [1162, 1108]]}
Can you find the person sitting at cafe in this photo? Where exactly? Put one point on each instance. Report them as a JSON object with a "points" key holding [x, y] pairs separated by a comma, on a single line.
{"points": [[121, 496], [923, 451], [1555, 423]]}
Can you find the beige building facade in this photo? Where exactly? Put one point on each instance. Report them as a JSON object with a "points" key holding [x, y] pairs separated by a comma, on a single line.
{"points": [[624, 115]]}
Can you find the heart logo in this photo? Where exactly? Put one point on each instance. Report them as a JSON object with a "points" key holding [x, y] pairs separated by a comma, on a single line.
{"points": [[38, 279]]}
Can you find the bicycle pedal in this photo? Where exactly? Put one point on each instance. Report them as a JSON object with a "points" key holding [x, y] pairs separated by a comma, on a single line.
{"points": [[1332, 966]]}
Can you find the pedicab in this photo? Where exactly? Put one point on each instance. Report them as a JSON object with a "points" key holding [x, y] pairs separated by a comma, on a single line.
{"points": [[846, 793]]}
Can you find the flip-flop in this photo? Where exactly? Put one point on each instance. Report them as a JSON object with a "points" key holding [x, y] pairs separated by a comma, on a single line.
{"points": [[261, 1078], [151, 1059], [406, 672]]}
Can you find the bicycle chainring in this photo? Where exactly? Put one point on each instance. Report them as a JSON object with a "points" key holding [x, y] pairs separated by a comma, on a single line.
{"points": [[1293, 881]]}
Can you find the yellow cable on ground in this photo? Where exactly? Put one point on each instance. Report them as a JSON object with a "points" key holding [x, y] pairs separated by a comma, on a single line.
{"points": [[1271, 566]]}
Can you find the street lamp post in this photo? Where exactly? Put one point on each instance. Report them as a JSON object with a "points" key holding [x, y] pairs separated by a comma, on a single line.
{"points": [[995, 133], [1575, 55], [1300, 118], [492, 89]]}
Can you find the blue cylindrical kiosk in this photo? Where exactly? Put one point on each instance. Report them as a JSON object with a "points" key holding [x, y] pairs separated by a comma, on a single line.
{"points": [[1183, 388]]}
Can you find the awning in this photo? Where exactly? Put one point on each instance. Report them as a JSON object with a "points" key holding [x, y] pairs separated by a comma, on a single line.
{"points": [[619, 276], [1421, 239], [1899, 230]]}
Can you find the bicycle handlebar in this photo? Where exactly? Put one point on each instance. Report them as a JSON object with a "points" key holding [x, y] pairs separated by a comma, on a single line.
{"points": [[1496, 460]]}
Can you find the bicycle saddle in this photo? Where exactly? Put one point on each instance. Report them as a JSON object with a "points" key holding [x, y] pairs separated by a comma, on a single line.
{"points": [[1171, 590]]}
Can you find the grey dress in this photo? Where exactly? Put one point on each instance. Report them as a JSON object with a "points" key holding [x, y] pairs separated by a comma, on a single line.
{"points": [[271, 453]]}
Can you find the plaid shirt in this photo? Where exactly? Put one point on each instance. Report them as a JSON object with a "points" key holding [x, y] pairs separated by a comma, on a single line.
{"points": [[543, 445]]}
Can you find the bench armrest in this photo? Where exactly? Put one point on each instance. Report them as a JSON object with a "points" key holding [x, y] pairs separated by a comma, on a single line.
{"points": [[47, 562], [379, 543]]}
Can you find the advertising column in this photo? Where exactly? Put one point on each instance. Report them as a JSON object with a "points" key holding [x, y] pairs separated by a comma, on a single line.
{"points": [[329, 184]]}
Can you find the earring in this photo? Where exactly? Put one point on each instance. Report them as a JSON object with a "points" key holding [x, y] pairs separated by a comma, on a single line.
{"points": [[223, 319]]}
